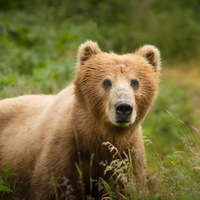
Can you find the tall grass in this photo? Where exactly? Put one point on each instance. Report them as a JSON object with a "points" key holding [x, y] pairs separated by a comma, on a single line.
{"points": [[176, 176]]}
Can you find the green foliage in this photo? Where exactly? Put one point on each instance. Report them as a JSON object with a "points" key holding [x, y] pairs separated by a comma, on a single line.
{"points": [[177, 175], [38, 54], [5, 185], [173, 26], [163, 123]]}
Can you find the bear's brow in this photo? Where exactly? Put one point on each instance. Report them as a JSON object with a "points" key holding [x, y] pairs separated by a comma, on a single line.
{"points": [[122, 66], [122, 60]]}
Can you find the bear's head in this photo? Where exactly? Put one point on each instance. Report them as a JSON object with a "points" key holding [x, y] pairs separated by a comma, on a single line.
{"points": [[117, 89]]}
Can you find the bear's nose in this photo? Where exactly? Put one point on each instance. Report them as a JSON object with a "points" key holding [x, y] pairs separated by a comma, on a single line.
{"points": [[123, 110]]}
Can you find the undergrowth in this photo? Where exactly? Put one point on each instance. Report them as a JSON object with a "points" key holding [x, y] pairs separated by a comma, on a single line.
{"points": [[177, 175], [6, 187]]}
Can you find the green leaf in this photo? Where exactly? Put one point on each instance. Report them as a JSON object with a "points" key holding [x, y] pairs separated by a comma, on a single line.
{"points": [[5, 188]]}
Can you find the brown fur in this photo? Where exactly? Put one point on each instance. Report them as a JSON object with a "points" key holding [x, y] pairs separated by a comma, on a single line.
{"points": [[41, 135]]}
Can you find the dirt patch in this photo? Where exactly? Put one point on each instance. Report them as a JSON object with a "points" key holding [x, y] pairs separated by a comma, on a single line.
{"points": [[188, 78]]}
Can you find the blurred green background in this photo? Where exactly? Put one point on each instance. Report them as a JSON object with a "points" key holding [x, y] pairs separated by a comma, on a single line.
{"points": [[39, 40]]}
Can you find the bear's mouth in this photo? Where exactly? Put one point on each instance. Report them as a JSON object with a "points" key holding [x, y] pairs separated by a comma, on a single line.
{"points": [[122, 123]]}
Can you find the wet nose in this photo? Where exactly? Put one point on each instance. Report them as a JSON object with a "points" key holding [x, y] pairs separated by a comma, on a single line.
{"points": [[123, 109]]}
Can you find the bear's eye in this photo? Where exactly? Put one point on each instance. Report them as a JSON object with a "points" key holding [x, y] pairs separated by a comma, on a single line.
{"points": [[134, 84], [107, 84]]}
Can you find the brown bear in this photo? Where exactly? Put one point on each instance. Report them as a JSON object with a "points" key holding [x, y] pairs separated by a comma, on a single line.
{"points": [[43, 136]]}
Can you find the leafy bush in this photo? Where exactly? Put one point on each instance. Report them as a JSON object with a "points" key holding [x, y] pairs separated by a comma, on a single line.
{"points": [[40, 59], [173, 26]]}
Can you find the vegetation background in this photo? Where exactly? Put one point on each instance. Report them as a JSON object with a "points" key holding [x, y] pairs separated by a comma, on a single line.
{"points": [[38, 44]]}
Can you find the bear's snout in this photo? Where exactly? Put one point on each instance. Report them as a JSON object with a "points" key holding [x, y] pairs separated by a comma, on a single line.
{"points": [[123, 111]]}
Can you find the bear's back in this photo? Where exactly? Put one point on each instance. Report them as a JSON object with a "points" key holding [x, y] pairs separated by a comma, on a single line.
{"points": [[15, 110]]}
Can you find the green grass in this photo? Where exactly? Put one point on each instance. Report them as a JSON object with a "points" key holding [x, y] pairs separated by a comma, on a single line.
{"points": [[176, 175], [160, 124]]}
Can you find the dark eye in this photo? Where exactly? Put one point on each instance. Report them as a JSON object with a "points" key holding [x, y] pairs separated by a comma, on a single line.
{"points": [[135, 84], [107, 84]]}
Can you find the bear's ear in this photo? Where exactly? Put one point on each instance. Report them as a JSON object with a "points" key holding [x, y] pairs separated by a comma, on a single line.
{"points": [[87, 50], [151, 54]]}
